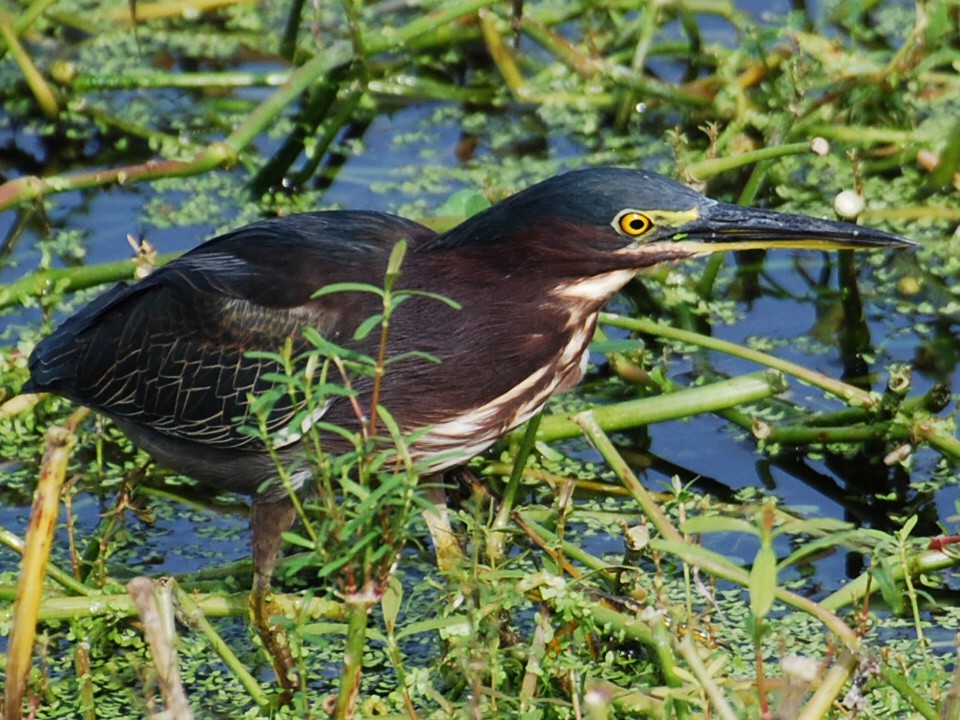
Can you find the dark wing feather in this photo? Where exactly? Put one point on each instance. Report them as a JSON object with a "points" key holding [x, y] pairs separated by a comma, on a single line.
{"points": [[170, 352]]}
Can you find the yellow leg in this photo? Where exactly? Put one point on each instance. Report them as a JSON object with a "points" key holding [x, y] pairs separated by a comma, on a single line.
{"points": [[445, 543], [269, 521]]}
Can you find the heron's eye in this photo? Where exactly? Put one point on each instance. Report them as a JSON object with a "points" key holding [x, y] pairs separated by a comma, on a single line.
{"points": [[633, 223]]}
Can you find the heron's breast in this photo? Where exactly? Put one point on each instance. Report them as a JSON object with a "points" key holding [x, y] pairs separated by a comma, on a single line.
{"points": [[452, 442]]}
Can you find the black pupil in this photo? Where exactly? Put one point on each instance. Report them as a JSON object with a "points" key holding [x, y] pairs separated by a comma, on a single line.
{"points": [[637, 224]]}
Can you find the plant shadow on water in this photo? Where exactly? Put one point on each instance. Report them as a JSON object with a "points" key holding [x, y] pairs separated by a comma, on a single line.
{"points": [[457, 109]]}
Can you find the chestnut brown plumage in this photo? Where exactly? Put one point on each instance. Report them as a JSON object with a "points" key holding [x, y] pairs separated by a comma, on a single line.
{"points": [[166, 358]]}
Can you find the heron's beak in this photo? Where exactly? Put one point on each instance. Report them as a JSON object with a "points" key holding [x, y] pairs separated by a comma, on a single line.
{"points": [[722, 226]]}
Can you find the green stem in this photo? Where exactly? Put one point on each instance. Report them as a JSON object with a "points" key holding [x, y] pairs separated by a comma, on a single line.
{"points": [[197, 619], [211, 604], [671, 406], [33, 566], [861, 135], [588, 422], [271, 172], [663, 645], [46, 98], [939, 435], [414, 87], [503, 57], [902, 685], [714, 166], [142, 79], [711, 270], [762, 159], [686, 648], [331, 130], [87, 705], [288, 43], [801, 435], [495, 540], [27, 17], [25, 189], [574, 552], [630, 626], [929, 561], [819, 705], [651, 16], [849, 393], [15, 543], [358, 610], [711, 562], [633, 702], [719, 566]]}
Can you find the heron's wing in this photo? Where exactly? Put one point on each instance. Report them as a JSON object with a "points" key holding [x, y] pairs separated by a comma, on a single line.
{"points": [[172, 351]]}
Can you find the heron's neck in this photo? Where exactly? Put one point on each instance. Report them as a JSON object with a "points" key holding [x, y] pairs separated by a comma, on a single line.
{"points": [[590, 293]]}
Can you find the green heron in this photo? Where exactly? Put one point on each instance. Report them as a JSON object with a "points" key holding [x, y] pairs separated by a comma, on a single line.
{"points": [[167, 358]]}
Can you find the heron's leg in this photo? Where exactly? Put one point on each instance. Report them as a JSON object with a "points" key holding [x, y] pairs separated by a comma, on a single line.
{"points": [[445, 543], [268, 521]]}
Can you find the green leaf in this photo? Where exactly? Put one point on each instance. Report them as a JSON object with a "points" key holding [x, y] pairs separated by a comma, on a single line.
{"points": [[414, 354], [396, 435], [883, 576], [279, 378], [264, 402], [908, 526], [322, 629], [432, 296], [337, 430], [859, 539], [396, 299], [389, 422], [393, 264], [364, 328], [432, 625], [390, 602], [297, 539], [347, 287], [696, 555], [322, 390], [264, 355], [813, 526], [463, 204], [718, 523], [328, 349], [763, 581], [355, 489]]}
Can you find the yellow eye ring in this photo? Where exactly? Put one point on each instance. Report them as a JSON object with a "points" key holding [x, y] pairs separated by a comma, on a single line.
{"points": [[634, 223]]}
